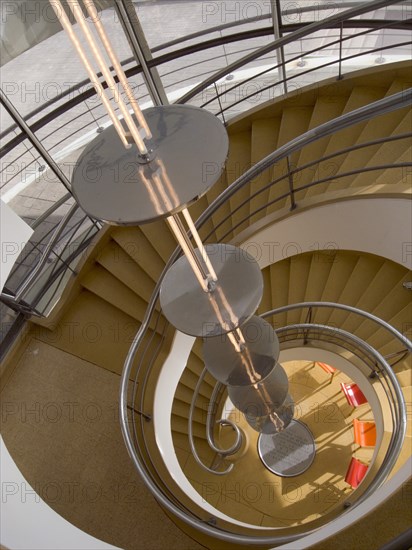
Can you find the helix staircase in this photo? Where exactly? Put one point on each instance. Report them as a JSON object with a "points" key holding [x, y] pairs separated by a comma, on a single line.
{"points": [[347, 277], [107, 303]]}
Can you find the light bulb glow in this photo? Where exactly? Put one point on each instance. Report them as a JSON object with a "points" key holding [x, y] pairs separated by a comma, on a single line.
{"points": [[65, 22], [199, 243], [92, 11], [188, 253], [78, 14]]}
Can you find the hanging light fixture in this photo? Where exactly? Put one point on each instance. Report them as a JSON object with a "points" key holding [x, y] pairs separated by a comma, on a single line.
{"points": [[150, 166]]}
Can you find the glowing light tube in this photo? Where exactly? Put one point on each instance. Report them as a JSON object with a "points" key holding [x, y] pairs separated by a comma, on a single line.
{"points": [[92, 11], [65, 22], [78, 14]]}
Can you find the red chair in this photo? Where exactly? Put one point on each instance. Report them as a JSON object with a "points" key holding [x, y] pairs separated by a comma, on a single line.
{"points": [[356, 472], [327, 368], [365, 433], [353, 394]]}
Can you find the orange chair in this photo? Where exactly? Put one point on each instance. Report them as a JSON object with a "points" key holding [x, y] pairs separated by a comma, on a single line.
{"points": [[353, 394], [365, 433], [327, 368], [356, 472]]}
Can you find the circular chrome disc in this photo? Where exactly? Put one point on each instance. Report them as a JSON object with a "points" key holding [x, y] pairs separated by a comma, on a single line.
{"points": [[237, 294], [113, 184], [290, 452], [230, 367]]}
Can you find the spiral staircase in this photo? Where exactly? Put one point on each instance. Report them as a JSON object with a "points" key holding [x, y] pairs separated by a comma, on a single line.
{"points": [[103, 308]]}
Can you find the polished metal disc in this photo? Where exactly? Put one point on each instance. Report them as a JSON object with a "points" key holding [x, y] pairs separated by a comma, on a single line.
{"points": [[261, 398], [114, 184], [251, 365], [237, 294], [290, 452], [275, 421]]}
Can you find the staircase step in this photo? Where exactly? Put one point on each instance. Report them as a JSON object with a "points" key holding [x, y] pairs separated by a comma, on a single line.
{"points": [[115, 260], [264, 138], [105, 285], [279, 276], [341, 272], [402, 175], [375, 128], [238, 163], [185, 393], [299, 272], [401, 320], [359, 97], [377, 286], [190, 378], [181, 408], [137, 246], [181, 442], [93, 330], [160, 237], [363, 273], [295, 121], [387, 153], [180, 425], [326, 108]]}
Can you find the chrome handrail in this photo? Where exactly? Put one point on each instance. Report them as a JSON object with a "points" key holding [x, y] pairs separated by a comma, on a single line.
{"points": [[303, 30], [398, 435], [28, 283], [365, 113], [284, 40], [377, 108], [369, 350], [209, 429], [301, 305]]}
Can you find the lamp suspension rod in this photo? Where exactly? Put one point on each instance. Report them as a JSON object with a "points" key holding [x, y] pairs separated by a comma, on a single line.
{"points": [[78, 15], [92, 11], [65, 22]]}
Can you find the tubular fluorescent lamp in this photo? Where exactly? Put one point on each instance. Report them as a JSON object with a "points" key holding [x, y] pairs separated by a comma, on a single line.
{"points": [[159, 186], [92, 11], [65, 22], [78, 15]]}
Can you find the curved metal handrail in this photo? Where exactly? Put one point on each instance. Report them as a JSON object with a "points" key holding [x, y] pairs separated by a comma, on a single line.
{"points": [[377, 108], [28, 283], [398, 434], [341, 334], [383, 106], [224, 452], [284, 40], [396, 333], [223, 422], [280, 65], [297, 32]]}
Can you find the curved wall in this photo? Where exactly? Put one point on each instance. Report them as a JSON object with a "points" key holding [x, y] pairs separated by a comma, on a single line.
{"points": [[365, 225]]}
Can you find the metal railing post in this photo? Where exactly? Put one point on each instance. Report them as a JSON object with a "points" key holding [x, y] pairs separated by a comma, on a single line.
{"points": [[340, 52], [220, 104], [291, 188], [277, 21], [18, 119], [135, 35]]}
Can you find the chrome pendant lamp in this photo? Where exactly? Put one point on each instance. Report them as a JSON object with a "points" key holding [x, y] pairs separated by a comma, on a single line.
{"points": [[149, 166]]}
